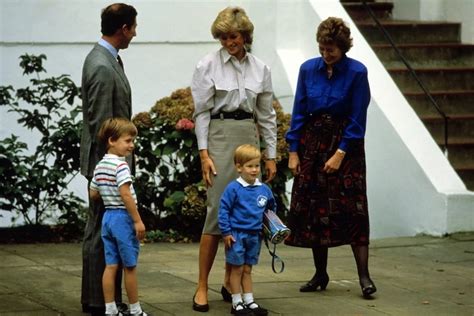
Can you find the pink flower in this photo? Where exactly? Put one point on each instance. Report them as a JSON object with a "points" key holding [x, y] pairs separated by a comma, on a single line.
{"points": [[184, 124]]}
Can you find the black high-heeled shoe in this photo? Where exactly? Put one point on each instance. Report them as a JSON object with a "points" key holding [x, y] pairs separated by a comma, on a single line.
{"points": [[319, 281], [368, 289], [200, 307], [226, 295]]}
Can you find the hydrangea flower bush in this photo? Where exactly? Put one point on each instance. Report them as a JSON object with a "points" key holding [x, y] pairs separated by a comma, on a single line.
{"points": [[170, 191]]}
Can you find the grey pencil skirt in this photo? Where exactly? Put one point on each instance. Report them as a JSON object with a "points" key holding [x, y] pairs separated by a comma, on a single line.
{"points": [[225, 135]]}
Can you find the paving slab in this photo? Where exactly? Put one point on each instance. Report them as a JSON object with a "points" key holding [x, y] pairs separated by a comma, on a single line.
{"points": [[414, 275]]}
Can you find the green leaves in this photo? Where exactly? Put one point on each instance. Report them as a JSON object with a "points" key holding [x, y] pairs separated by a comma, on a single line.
{"points": [[35, 182], [32, 64]]}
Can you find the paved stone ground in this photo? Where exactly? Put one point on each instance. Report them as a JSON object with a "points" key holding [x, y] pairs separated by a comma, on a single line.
{"points": [[414, 276]]}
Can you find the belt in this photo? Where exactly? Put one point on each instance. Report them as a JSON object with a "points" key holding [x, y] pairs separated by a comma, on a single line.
{"points": [[235, 115]]}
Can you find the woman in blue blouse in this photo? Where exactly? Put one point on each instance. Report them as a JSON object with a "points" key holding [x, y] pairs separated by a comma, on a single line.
{"points": [[326, 139]]}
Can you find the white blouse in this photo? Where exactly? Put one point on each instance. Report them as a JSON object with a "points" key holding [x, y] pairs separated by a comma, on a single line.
{"points": [[222, 83]]}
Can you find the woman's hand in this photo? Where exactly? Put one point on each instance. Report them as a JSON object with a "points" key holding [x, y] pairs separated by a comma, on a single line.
{"points": [[334, 163], [207, 167], [270, 169], [294, 163], [228, 241]]}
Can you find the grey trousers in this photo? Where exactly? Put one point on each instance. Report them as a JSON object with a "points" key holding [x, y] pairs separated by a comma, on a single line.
{"points": [[225, 135], [93, 261]]}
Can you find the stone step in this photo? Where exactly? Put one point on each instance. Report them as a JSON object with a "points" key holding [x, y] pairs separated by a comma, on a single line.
{"points": [[434, 78], [358, 12], [451, 102], [404, 32], [467, 176], [459, 126], [460, 151], [460, 156], [427, 55]]}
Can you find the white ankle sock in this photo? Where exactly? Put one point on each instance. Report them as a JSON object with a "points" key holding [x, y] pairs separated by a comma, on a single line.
{"points": [[135, 308], [111, 308], [236, 298], [248, 299]]}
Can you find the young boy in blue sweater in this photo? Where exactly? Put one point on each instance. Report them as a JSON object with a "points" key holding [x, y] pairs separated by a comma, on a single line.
{"points": [[240, 221]]}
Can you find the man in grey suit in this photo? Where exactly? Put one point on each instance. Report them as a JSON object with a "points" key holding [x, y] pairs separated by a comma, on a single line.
{"points": [[105, 93]]}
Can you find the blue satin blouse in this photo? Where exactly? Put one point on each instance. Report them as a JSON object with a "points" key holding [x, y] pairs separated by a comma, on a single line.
{"points": [[345, 94]]}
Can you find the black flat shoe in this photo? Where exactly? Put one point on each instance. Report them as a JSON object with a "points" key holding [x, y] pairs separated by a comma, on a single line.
{"points": [[226, 296], [198, 307], [315, 283], [368, 289]]}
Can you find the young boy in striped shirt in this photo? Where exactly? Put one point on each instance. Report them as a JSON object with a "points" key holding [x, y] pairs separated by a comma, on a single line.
{"points": [[122, 227]]}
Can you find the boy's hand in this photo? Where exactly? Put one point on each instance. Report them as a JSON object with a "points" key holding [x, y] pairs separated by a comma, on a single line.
{"points": [[228, 241], [140, 230]]}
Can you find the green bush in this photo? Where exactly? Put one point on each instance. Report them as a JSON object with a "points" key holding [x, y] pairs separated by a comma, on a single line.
{"points": [[35, 182]]}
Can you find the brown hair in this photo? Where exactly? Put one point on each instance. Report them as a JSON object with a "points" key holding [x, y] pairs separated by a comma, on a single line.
{"points": [[233, 19], [116, 15], [334, 31], [245, 153], [114, 128]]}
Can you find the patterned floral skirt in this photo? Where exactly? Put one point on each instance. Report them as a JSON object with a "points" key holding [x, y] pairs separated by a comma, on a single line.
{"points": [[328, 209]]}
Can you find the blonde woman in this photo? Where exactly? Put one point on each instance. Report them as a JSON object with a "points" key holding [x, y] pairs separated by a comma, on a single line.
{"points": [[232, 93]]}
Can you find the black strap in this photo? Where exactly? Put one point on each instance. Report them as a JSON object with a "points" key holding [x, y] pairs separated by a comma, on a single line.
{"points": [[275, 258]]}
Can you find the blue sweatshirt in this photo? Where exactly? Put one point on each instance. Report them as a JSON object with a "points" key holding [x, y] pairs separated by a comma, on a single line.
{"points": [[242, 206]]}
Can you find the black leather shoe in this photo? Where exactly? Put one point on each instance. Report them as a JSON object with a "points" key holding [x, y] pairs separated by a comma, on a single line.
{"points": [[226, 296], [257, 311], [368, 289], [200, 307], [122, 307], [315, 283], [85, 308], [240, 311], [96, 311]]}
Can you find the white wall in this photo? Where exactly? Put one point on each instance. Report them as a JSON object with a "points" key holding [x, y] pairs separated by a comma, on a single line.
{"points": [[439, 10], [411, 186]]}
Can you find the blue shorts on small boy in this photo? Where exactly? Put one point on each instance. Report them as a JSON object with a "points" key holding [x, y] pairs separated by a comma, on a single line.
{"points": [[245, 249], [120, 241]]}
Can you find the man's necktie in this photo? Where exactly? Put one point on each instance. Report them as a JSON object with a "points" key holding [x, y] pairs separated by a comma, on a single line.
{"points": [[120, 61]]}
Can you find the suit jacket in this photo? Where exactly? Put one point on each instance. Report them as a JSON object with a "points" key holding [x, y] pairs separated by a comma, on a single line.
{"points": [[105, 93]]}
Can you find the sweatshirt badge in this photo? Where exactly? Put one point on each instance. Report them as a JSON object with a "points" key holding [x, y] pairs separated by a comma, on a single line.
{"points": [[261, 201]]}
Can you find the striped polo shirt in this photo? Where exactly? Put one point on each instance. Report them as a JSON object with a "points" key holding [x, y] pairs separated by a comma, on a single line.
{"points": [[109, 174]]}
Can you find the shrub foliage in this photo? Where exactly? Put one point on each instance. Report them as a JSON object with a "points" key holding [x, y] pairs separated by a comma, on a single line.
{"points": [[35, 182]]}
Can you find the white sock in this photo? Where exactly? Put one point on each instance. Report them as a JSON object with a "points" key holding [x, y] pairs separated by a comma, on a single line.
{"points": [[236, 298], [111, 308], [248, 299], [135, 308]]}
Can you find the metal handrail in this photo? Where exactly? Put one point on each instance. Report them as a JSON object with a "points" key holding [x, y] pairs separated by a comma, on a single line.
{"points": [[413, 73]]}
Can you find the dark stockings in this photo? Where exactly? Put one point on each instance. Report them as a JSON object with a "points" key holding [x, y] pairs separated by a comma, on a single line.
{"points": [[361, 256], [320, 258]]}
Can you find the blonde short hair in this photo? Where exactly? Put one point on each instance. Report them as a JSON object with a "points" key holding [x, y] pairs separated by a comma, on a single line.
{"points": [[114, 128], [334, 31], [245, 153], [233, 19]]}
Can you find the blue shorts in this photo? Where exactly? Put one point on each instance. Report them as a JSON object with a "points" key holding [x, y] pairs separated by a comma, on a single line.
{"points": [[245, 249], [120, 241]]}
